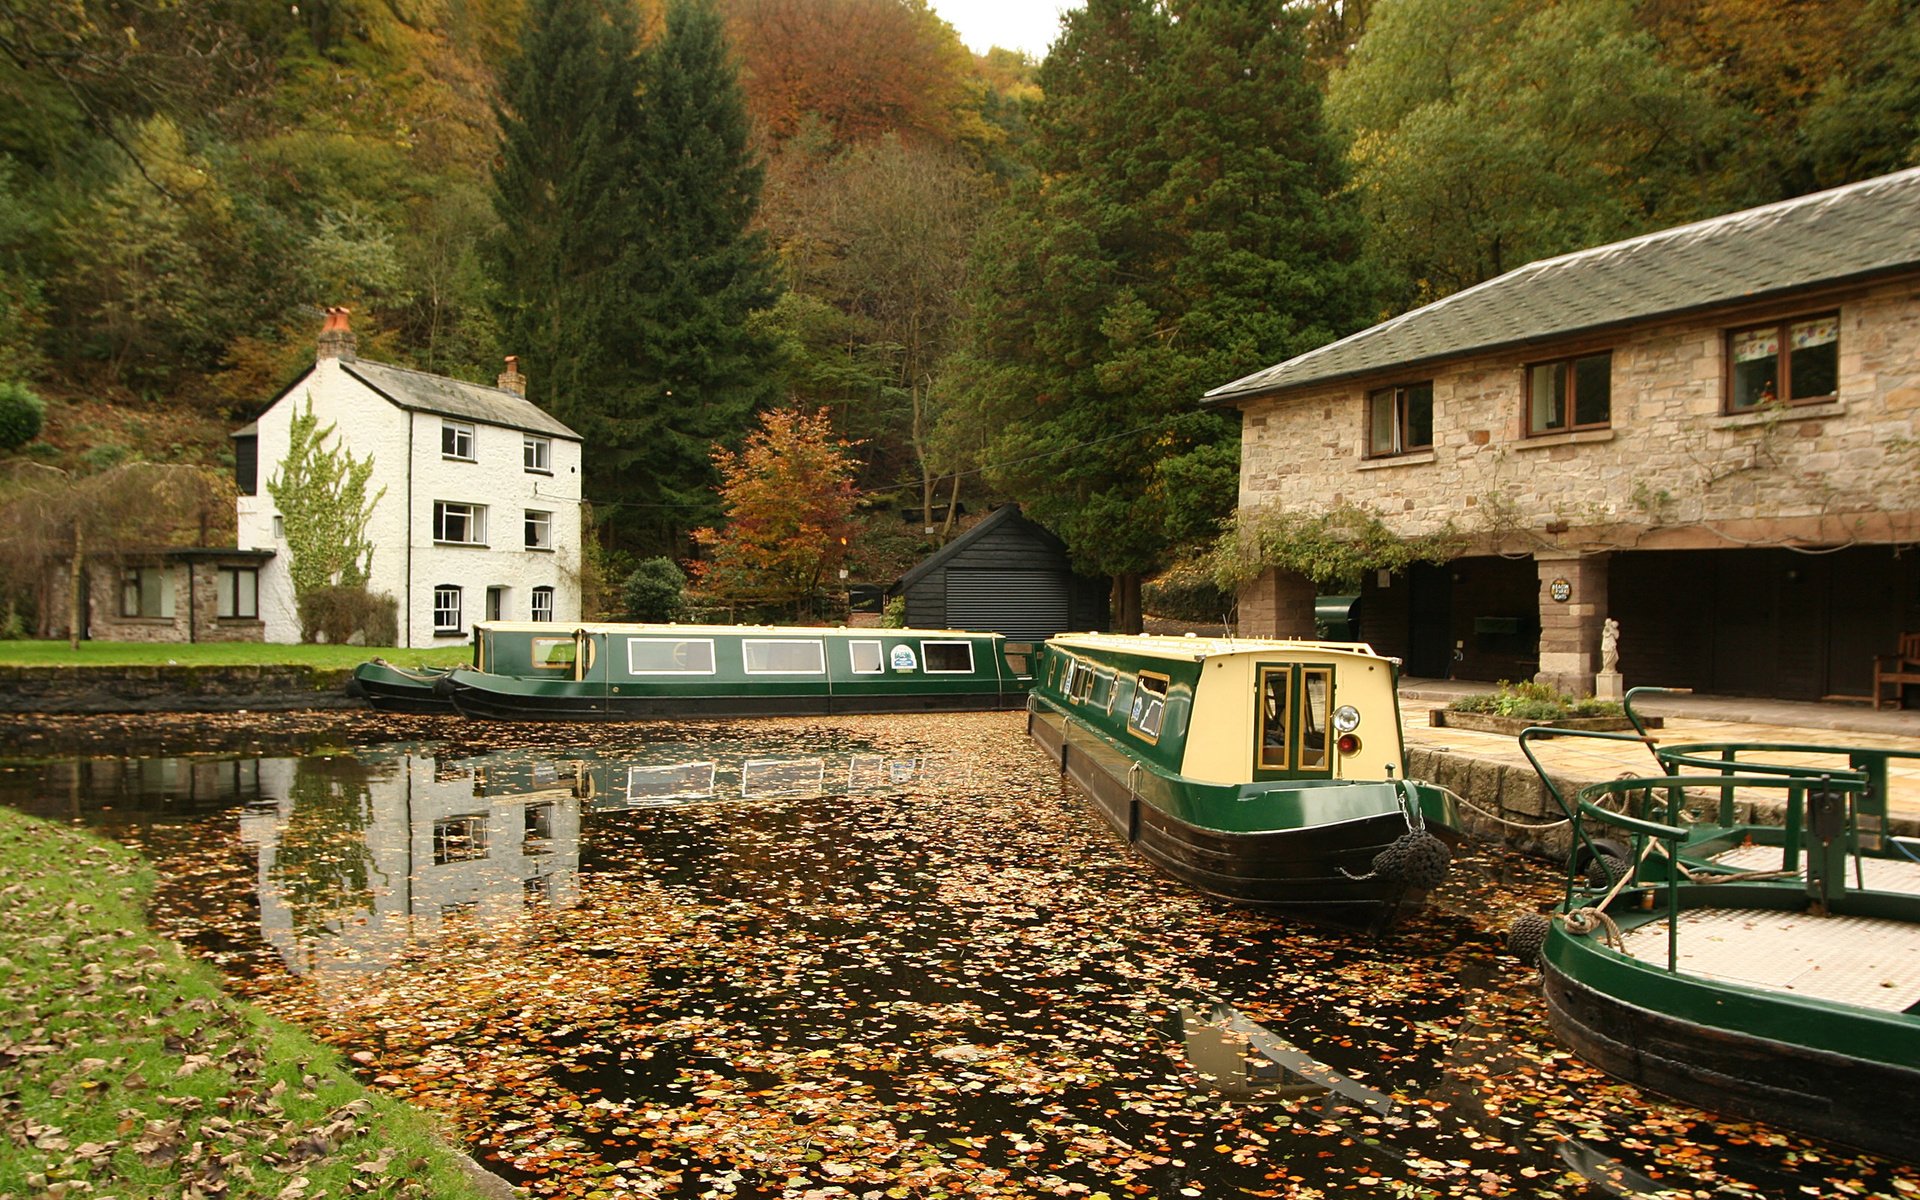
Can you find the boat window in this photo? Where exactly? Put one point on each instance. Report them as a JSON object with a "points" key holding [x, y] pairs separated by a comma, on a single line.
{"points": [[554, 654], [1316, 684], [947, 658], [866, 658], [669, 656], [1149, 706], [1274, 683], [1019, 655], [680, 781], [783, 656], [1080, 679]]}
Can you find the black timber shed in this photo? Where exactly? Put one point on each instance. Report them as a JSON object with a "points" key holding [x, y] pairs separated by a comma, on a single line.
{"points": [[1005, 575]]}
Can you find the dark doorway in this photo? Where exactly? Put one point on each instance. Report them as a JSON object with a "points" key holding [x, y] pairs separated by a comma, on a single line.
{"points": [[1430, 621]]}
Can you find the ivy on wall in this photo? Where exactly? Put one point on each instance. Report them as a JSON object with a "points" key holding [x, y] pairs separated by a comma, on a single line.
{"points": [[1334, 547]]}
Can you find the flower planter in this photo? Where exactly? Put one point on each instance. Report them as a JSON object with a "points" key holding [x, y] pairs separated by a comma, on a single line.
{"points": [[1443, 718]]}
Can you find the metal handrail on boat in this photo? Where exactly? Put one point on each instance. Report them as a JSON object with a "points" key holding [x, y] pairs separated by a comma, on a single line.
{"points": [[1581, 841], [1820, 882]]}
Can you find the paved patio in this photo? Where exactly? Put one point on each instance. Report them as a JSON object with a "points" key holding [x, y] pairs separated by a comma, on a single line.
{"points": [[1688, 718]]}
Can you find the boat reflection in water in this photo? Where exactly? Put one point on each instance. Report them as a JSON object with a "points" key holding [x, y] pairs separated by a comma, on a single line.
{"points": [[359, 857]]}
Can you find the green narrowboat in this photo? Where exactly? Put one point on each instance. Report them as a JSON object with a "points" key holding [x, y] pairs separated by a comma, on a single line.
{"points": [[394, 688], [1789, 995], [530, 671], [1727, 838], [1270, 773]]}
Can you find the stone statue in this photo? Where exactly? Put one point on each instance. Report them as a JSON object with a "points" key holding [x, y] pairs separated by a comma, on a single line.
{"points": [[1610, 645]]}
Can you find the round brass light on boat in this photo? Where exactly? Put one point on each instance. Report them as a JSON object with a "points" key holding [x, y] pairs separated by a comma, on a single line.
{"points": [[1348, 743], [1346, 719]]}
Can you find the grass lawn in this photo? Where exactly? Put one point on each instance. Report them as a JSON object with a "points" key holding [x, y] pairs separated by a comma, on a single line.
{"points": [[219, 654], [126, 1070]]}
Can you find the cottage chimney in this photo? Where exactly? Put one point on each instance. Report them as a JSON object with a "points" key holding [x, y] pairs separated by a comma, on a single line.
{"points": [[511, 379], [336, 338]]}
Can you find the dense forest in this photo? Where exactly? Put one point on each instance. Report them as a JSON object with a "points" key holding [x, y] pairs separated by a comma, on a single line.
{"points": [[998, 278]]}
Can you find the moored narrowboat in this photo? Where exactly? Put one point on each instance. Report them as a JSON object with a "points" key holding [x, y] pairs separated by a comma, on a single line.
{"points": [[394, 688], [1790, 996], [531, 671], [1270, 773]]}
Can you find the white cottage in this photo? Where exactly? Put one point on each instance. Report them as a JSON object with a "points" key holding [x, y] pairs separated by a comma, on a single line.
{"points": [[480, 519]]}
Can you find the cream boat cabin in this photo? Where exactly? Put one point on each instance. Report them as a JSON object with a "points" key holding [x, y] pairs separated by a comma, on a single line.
{"points": [[1268, 772]]}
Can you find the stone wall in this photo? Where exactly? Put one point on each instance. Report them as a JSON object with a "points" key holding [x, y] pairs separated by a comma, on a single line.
{"points": [[1672, 470], [171, 689]]}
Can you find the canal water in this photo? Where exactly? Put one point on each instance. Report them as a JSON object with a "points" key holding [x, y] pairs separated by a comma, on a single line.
{"points": [[875, 957]]}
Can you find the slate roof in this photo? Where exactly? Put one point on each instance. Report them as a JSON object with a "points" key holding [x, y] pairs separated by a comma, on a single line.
{"points": [[419, 391], [1848, 233]]}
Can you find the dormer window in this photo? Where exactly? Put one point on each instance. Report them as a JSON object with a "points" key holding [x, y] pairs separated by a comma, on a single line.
{"points": [[456, 440]]}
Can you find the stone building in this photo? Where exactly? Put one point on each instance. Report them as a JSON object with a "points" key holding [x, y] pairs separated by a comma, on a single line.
{"points": [[1710, 434], [174, 594], [478, 516]]}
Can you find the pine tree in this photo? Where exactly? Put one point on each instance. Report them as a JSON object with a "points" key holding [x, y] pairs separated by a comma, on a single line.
{"points": [[560, 189], [1178, 234], [691, 279]]}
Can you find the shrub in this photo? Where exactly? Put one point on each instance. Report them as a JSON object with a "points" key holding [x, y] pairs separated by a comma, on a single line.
{"points": [[655, 590], [894, 615], [340, 616], [1533, 701], [1186, 591], [22, 413]]}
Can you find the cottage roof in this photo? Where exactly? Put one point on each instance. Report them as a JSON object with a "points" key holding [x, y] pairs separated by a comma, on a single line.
{"points": [[1848, 233], [419, 391]]}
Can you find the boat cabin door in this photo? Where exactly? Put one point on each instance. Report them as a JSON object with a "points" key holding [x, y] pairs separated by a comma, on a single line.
{"points": [[583, 653], [1292, 703]]}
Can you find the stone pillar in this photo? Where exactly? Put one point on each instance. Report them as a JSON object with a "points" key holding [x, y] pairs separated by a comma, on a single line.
{"points": [[1573, 604], [1278, 604]]}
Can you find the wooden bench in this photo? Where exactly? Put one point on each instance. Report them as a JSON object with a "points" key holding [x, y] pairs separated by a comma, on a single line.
{"points": [[1896, 671]]}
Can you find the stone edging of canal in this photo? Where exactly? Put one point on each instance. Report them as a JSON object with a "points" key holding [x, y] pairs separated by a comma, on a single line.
{"points": [[172, 688]]}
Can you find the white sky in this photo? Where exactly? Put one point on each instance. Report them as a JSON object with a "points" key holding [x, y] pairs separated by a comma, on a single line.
{"points": [[1029, 25]]}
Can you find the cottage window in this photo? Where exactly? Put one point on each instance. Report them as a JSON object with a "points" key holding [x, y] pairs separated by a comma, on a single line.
{"points": [[459, 839], [947, 658], [1796, 362], [542, 604], [459, 524], [779, 656], [238, 592], [146, 592], [865, 658], [538, 452], [1149, 706], [1573, 393], [446, 608], [539, 530], [1400, 420], [456, 440], [670, 656]]}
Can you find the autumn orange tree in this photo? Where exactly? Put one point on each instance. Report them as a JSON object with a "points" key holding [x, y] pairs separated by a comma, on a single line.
{"points": [[788, 497]]}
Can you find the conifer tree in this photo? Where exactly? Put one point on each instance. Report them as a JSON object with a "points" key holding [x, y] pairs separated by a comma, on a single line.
{"points": [[692, 278], [1177, 235], [560, 189]]}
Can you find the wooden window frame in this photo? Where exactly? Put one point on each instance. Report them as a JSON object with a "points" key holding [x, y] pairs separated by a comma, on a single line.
{"points": [[1325, 765], [535, 607], [446, 589], [542, 522], [476, 520], [536, 453], [227, 592], [1401, 396], [543, 663], [1783, 364], [1567, 366], [452, 433], [1285, 672]]}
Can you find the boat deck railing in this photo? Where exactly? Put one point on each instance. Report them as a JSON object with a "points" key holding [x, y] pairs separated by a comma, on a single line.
{"points": [[1821, 814]]}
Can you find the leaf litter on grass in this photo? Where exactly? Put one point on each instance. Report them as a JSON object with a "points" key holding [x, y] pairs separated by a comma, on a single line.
{"points": [[958, 984]]}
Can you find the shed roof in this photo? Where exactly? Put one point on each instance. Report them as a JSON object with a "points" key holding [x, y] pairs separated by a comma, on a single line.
{"points": [[420, 391], [992, 521], [1848, 233]]}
